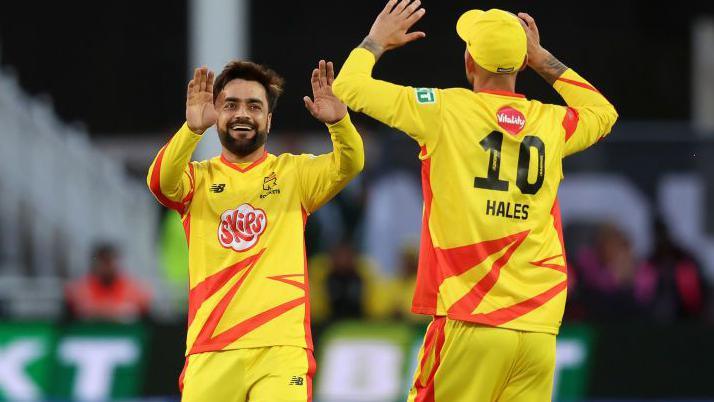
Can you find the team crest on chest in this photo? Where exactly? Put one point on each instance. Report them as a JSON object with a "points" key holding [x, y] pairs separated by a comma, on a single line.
{"points": [[270, 185], [241, 228]]}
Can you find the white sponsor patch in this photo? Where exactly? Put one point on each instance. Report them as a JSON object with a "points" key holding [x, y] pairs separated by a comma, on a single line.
{"points": [[241, 228]]}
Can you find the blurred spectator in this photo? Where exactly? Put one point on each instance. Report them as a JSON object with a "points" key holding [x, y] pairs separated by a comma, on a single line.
{"points": [[343, 285], [603, 277], [402, 288], [670, 283], [393, 215], [106, 293]]}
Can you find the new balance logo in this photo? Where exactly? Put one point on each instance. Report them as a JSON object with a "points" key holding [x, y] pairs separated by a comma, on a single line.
{"points": [[218, 188], [296, 380]]}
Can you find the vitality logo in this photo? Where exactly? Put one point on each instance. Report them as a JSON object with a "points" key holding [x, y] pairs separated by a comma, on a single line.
{"points": [[511, 120]]}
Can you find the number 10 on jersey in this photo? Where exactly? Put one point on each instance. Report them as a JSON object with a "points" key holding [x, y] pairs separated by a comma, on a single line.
{"points": [[493, 144]]}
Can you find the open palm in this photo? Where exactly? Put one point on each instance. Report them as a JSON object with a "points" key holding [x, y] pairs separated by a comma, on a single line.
{"points": [[324, 106], [200, 112]]}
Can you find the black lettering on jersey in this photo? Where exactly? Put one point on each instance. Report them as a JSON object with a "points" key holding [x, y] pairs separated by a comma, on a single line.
{"points": [[507, 210], [490, 207], [501, 210], [269, 192]]}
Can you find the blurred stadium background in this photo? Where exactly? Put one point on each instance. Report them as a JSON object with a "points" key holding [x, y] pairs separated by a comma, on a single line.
{"points": [[90, 91]]}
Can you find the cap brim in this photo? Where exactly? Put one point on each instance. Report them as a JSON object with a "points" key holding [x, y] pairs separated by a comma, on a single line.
{"points": [[466, 21]]}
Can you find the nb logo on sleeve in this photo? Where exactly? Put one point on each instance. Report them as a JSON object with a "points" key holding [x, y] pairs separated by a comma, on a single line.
{"points": [[425, 96], [296, 380]]}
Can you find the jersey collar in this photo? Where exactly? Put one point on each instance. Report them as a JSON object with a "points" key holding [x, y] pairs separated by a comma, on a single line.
{"points": [[249, 167], [502, 93]]}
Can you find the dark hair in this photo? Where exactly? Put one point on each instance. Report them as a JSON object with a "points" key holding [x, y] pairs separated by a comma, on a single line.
{"points": [[247, 70], [104, 250]]}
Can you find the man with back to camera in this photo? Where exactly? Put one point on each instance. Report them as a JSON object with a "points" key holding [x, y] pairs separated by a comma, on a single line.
{"points": [[492, 268], [244, 213]]}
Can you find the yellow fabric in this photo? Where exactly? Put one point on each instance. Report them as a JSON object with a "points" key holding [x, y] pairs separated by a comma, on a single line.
{"points": [[495, 39], [247, 264], [271, 374], [491, 249], [470, 363]]}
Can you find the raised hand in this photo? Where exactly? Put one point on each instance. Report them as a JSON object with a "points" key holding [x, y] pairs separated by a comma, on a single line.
{"points": [[389, 30], [535, 50], [539, 59], [200, 112], [324, 106]]}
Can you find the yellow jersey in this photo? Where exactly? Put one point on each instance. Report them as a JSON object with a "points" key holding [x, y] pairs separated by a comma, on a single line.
{"points": [[492, 246], [245, 230]]}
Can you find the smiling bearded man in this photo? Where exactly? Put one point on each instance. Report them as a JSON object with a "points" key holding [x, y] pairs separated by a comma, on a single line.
{"points": [[244, 214]]}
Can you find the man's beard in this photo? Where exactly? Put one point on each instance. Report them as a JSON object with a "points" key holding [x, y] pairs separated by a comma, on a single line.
{"points": [[242, 147]]}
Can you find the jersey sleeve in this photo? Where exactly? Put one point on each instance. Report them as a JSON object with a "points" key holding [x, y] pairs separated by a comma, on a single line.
{"points": [[415, 111], [172, 176], [322, 177], [589, 116]]}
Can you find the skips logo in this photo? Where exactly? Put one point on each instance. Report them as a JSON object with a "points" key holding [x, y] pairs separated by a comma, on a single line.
{"points": [[511, 120], [241, 228]]}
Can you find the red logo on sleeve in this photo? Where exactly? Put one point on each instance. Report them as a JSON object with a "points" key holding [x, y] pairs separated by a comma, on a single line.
{"points": [[241, 228], [511, 120]]}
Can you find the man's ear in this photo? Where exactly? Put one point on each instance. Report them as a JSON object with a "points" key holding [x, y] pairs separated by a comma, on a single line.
{"points": [[270, 119], [469, 62]]}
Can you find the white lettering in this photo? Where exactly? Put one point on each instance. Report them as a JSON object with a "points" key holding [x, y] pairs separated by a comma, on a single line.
{"points": [[96, 360], [515, 120], [362, 370], [14, 358]]}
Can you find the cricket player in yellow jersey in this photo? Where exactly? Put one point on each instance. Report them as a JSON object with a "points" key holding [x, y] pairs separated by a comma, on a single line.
{"points": [[492, 267], [244, 213]]}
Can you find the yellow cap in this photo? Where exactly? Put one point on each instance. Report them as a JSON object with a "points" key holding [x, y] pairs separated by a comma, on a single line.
{"points": [[495, 39]]}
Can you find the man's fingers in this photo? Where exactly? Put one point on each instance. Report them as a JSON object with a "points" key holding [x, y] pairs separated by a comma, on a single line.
{"points": [[416, 16], [400, 7], [389, 6], [412, 36], [411, 8], [323, 73], [190, 88], [309, 105], [203, 79], [315, 81], [529, 20], [209, 83], [330, 73]]}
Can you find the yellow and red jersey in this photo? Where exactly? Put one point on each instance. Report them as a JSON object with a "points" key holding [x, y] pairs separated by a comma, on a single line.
{"points": [[245, 230], [492, 246]]}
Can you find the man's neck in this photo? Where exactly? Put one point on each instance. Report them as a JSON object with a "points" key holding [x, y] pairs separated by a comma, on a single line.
{"points": [[252, 157], [495, 83]]}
